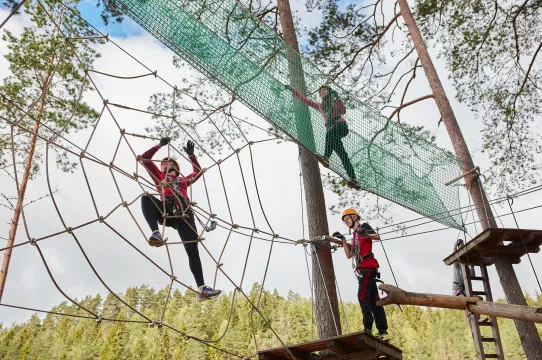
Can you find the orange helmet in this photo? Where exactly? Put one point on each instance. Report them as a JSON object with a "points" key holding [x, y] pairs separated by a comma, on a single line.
{"points": [[350, 211]]}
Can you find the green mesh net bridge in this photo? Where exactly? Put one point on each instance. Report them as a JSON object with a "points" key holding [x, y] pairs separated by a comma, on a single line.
{"points": [[240, 53]]}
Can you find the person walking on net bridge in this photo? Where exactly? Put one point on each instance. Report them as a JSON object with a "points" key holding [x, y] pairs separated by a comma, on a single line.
{"points": [[172, 187], [366, 270], [332, 109]]}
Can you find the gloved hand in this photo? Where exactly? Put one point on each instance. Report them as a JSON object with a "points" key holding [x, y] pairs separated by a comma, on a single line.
{"points": [[164, 141], [189, 148], [288, 87], [362, 231], [338, 235]]}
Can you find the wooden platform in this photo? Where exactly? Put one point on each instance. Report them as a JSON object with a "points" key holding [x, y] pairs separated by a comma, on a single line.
{"points": [[358, 346], [479, 251]]}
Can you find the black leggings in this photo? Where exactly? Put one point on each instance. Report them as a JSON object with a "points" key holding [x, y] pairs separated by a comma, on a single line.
{"points": [[152, 211], [334, 142], [367, 297]]}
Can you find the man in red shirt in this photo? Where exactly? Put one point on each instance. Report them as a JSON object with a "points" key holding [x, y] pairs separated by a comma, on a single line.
{"points": [[366, 270], [172, 187]]}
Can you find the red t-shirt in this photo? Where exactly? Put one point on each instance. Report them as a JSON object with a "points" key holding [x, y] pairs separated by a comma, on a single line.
{"points": [[362, 246]]}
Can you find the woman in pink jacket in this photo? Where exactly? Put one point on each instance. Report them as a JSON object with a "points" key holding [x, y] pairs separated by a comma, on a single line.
{"points": [[172, 187], [332, 109]]}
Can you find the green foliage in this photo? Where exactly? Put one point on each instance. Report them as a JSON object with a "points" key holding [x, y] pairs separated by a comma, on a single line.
{"points": [[41, 57], [492, 50], [420, 333]]}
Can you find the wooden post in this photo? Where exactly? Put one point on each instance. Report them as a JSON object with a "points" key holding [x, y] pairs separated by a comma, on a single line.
{"points": [[530, 340], [327, 306], [474, 304]]}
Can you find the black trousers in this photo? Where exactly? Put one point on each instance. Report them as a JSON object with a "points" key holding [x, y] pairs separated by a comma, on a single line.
{"points": [[152, 211], [334, 142], [368, 296]]}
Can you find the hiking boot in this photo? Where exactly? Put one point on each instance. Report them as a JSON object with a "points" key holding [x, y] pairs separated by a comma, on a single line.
{"points": [[384, 336], [353, 184], [368, 331], [206, 293], [156, 239], [323, 160]]}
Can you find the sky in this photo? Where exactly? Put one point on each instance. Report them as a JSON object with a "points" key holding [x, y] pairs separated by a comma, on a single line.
{"points": [[416, 260]]}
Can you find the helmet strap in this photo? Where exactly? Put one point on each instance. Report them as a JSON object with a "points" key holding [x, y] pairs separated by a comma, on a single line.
{"points": [[353, 226]]}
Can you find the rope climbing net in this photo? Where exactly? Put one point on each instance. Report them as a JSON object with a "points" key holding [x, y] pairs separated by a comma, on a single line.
{"points": [[60, 140], [224, 41]]}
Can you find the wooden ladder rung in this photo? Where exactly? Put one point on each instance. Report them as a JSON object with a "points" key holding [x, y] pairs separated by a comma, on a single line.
{"points": [[485, 323], [491, 356], [477, 278], [488, 339], [478, 293]]}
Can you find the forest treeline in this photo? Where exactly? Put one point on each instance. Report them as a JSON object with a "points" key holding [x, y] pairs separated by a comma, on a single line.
{"points": [[420, 333]]}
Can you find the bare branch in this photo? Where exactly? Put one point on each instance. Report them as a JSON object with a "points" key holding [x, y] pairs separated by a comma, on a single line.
{"points": [[402, 107], [521, 7], [371, 44]]}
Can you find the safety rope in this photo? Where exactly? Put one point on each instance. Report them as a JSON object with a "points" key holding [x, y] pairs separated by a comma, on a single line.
{"points": [[510, 201]]}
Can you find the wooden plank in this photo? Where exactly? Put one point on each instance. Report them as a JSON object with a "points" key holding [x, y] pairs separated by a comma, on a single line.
{"points": [[381, 346], [294, 354], [516, 249], [502, 237], [488, 240], [467, 247], [339, 348], [527, 238], [266, 356], [349, 342], [368, 354]]}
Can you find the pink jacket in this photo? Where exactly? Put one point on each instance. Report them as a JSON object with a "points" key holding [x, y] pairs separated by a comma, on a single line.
{"points": [[157, 175]]}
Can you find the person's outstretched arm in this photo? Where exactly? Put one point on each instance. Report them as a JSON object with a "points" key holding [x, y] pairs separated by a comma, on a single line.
{"points": [[196, 168], [305, 100], [146, 160]]}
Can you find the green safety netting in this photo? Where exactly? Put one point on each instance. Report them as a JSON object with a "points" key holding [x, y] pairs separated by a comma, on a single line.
{"points": [[240, 53]]}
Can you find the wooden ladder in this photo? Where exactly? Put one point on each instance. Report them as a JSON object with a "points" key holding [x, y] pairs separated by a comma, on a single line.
{"points": [[474, 319]]}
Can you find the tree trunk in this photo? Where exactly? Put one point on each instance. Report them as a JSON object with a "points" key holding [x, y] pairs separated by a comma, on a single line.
{"points": [[21, 190], [20, 201], [327, 308], [530, 340]]}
